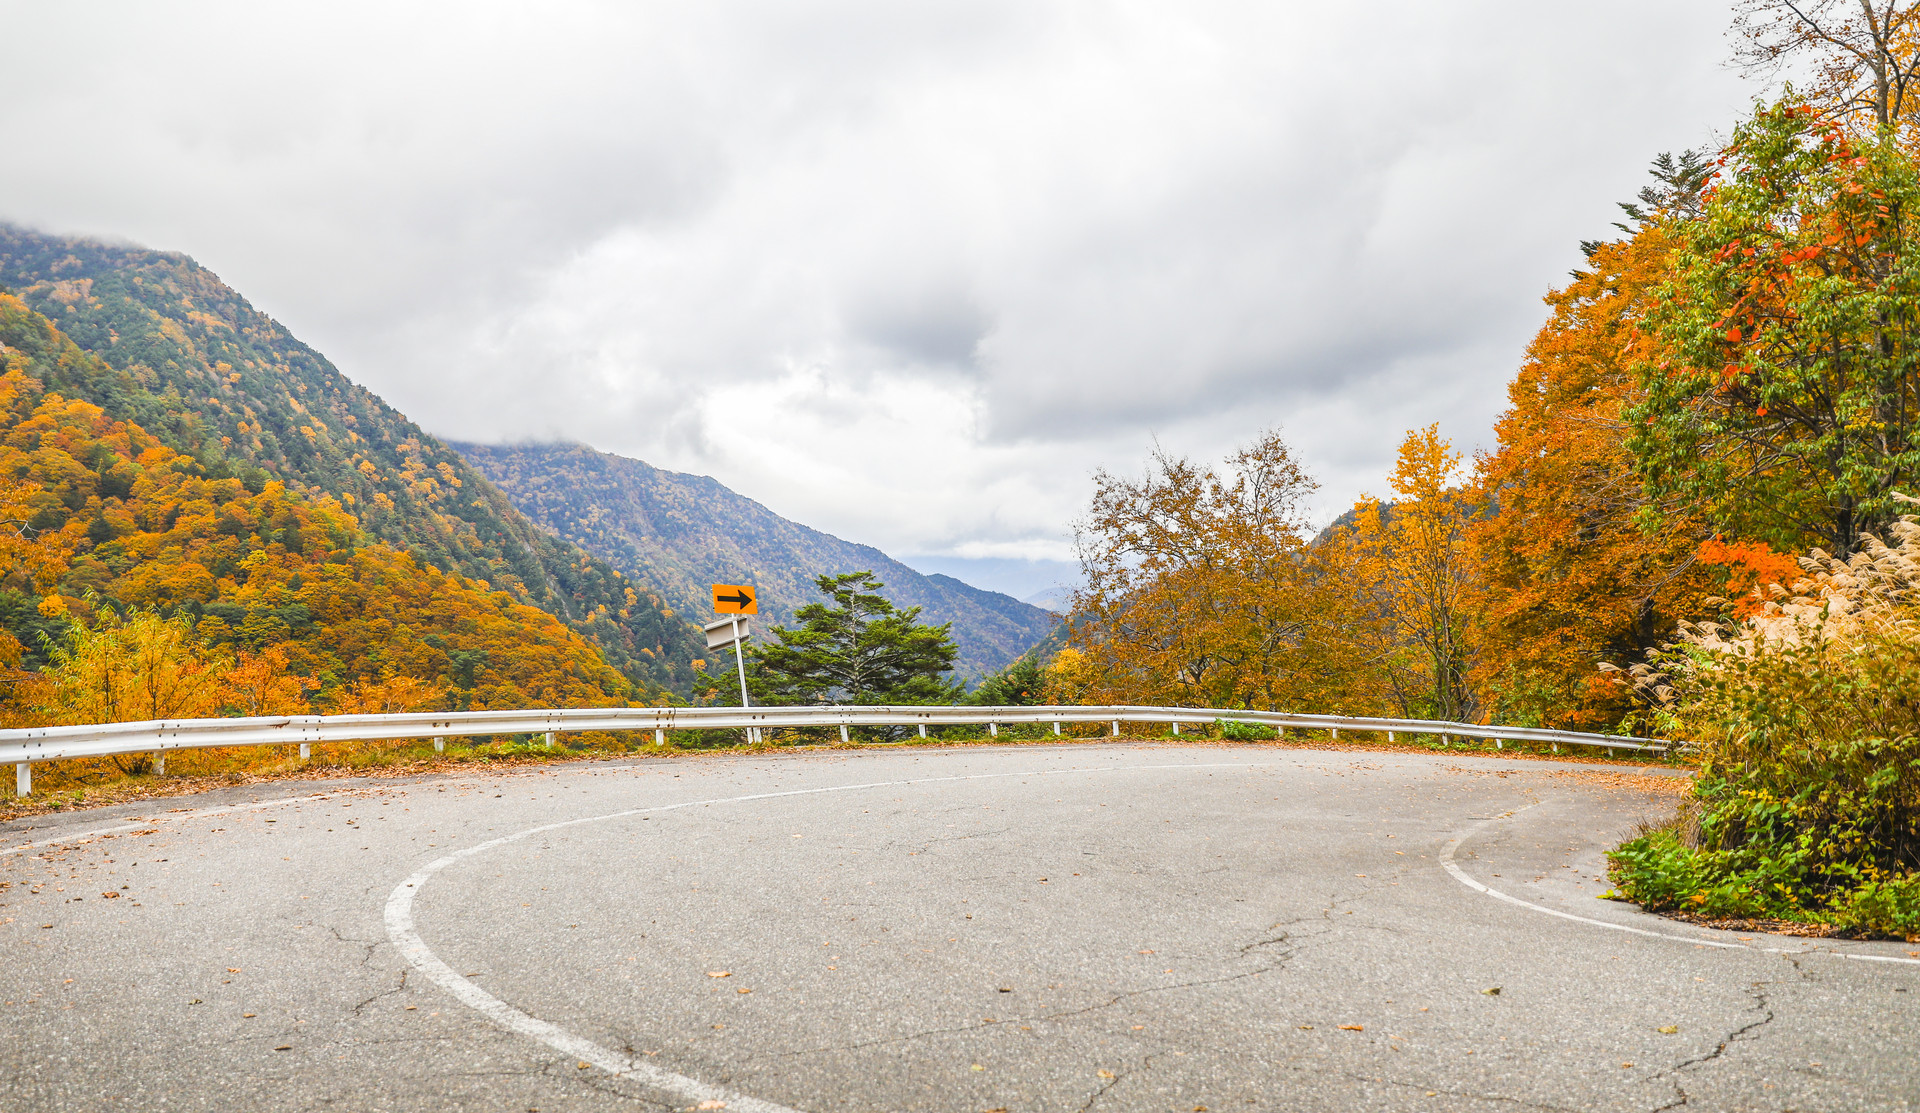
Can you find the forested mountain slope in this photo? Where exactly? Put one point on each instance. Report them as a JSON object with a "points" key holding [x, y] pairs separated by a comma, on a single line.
{"points": [[284, 598], [224, 384], [679, 533]]}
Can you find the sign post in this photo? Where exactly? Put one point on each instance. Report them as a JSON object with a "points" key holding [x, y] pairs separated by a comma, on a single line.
{"points": [[735, 600]]}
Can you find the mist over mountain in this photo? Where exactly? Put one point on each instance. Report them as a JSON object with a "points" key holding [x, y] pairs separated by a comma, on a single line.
{"points": [[678, 534]]}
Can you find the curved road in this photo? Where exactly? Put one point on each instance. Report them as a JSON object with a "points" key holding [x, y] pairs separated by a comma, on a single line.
{"points": [[1078, 927]]}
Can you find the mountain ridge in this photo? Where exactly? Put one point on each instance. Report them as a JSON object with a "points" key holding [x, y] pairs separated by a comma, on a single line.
{"points": [[679, 533]]}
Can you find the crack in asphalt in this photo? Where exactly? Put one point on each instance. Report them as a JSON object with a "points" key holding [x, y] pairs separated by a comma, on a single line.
{"points": [[1146, 1063], [366, 958], [1762, 1004], [401, 988]]}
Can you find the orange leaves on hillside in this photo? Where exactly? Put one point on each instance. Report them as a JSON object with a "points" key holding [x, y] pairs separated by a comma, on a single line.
{"points": [[253, 596]]}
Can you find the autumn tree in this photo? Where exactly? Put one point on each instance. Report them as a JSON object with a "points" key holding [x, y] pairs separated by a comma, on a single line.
{"points": [[1412, 565], [261, 684], [389, 695], [1784, 400], [1202, 590], [1567, 574], [1862, 52]]}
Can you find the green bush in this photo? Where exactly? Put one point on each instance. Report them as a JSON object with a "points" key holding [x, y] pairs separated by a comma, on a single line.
{"points": [[1890, 907], [1235, 731]]}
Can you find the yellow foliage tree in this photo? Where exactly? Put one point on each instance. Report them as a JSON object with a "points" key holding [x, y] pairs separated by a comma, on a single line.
{"points": [[1412, 565]]}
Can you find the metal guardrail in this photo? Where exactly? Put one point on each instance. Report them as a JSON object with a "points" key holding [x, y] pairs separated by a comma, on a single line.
{"points": [[23, 746]]}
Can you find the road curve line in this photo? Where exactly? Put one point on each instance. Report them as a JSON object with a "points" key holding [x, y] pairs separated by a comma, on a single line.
{"points": [[1460, 875], [401, 931], [167, 817]]}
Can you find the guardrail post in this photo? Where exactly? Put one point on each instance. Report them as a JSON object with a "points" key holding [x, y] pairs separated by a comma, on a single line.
{"points": [[306, 751], [923, 730], [1555, 745], [549, 740], [1116, 728], [1176, 728], [659, 737], [1390, 737], [160, 764], [1499, 745], [1056, 726], [22, 778], [993, 730], [439, 745], [1334, 732], [843, 732]]}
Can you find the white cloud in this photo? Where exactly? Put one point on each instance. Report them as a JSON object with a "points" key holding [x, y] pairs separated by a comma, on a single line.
{"points": [[907, 273]]}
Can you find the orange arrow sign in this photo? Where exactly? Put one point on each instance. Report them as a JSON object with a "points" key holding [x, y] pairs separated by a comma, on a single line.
{"points": [[734, 599]]}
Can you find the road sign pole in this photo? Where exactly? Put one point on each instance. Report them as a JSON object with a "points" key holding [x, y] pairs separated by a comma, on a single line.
{"points": [[740, 660]]}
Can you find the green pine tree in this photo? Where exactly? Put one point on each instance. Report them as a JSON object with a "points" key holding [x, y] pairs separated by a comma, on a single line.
{"points": [[855, 649]]}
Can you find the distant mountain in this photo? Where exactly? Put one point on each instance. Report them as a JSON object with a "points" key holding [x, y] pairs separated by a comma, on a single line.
{"points": [[223, 383], [1055, 599], [679, 533]]}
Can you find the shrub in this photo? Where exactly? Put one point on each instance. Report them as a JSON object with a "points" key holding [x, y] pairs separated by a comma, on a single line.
{"points": [[1807, 714], [1235, 731]]}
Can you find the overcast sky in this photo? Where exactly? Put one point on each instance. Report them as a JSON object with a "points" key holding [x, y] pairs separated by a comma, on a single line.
{"points": [[906, 272]]}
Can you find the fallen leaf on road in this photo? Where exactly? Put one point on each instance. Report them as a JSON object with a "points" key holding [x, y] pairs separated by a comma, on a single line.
{"points": [[109, 896], [284, 1047], [711, 1104], [1625, 1066], [1668, 1030], [719, 973], [1106, 1074], [1494, 992], [248, 1016], [580, 1066], [1306, 1027], [977, 1066], [743, 991], [233, 969], [1353, 1027]]}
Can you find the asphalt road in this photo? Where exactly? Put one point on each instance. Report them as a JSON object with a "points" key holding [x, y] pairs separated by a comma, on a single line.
{"points": [[1085, 927]]}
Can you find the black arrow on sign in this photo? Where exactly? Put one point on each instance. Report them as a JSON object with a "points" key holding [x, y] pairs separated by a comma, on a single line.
{"points": [[739, 598]]}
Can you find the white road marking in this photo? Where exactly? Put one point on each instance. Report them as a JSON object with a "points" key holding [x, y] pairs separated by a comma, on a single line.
{"points": [[1460, 875], [169, 817], [400, 929]]}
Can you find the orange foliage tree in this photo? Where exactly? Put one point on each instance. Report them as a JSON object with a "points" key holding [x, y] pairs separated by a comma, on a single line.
{"points": [[1202, 590]]}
